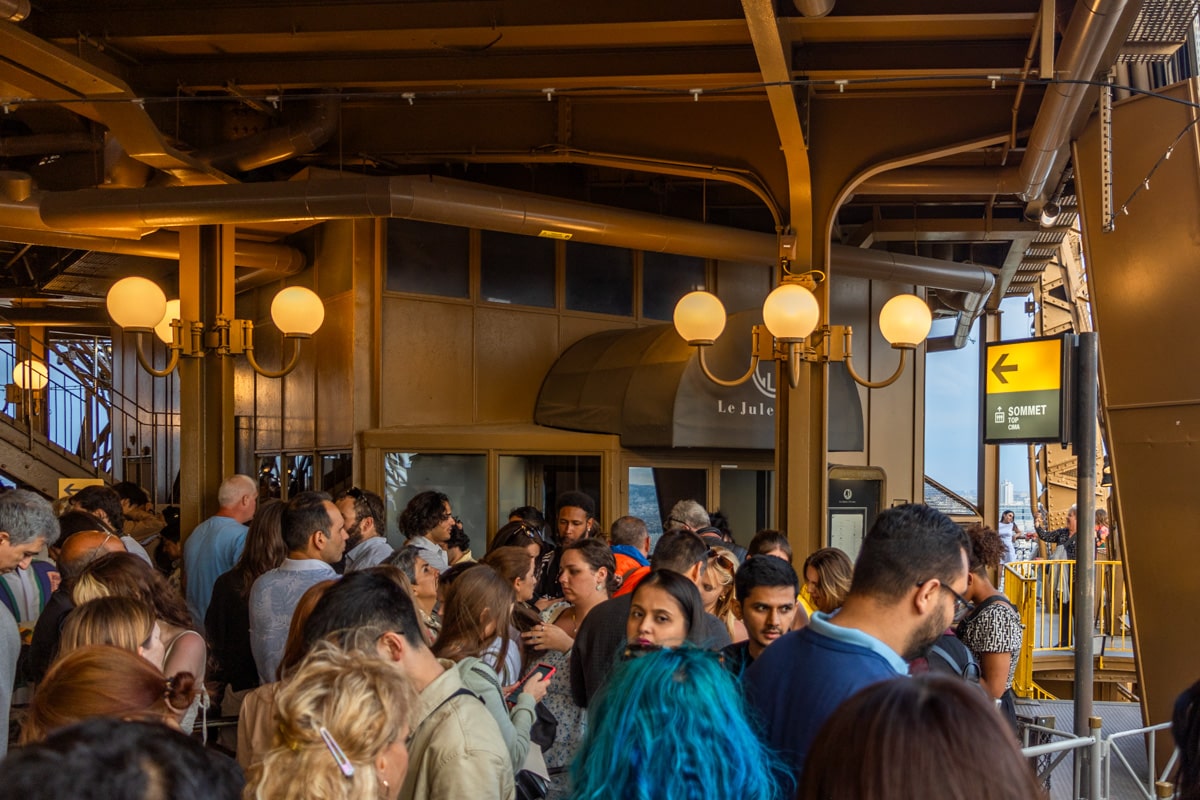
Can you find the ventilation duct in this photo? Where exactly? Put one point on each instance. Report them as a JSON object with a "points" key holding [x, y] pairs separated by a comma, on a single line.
{"points": [[278, 144]]}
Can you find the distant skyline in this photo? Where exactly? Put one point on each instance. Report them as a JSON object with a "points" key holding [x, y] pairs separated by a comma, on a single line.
{"points": [[952, 410]]}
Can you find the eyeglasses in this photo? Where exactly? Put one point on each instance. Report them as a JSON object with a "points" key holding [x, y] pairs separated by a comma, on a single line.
{"points": [[962, 606], [354, 492]]}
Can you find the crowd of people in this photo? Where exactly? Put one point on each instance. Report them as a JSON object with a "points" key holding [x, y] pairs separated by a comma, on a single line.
{"points": [[568, 661]]}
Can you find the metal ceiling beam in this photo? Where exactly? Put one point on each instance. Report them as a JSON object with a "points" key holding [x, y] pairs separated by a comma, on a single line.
{"points": [[433, 23], [774, 62], [678, 67]]}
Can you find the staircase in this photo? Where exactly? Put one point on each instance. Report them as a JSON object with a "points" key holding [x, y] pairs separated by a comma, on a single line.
{"points": [[65, 430]]}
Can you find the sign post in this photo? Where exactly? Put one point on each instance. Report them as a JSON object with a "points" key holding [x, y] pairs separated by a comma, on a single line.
{"points": [[1037, 390]]}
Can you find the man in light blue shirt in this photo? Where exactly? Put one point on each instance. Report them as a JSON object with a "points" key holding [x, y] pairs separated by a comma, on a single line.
{"points": [[215, 545], [907, 589], [315, 535]]}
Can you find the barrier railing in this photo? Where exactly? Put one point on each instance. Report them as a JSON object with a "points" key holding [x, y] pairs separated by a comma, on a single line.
{"points": [[1041, 591]]}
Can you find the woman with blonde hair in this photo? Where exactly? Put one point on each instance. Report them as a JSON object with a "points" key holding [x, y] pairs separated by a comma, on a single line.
{"points": [[717, 591], [117, 621], [105, 681], [342, 721], [827, 576], [184, 650]]}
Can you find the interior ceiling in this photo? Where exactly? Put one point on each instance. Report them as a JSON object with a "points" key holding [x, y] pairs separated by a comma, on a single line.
{"points": [[590, 102]]}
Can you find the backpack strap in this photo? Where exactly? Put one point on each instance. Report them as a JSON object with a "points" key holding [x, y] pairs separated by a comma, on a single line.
{"points": [[968, 670]]}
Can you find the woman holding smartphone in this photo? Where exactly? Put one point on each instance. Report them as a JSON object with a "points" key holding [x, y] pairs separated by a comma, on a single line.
{"points": [[476, 625]]}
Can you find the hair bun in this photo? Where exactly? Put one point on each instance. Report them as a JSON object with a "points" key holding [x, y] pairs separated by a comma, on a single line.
{"points": [[180, 691]]}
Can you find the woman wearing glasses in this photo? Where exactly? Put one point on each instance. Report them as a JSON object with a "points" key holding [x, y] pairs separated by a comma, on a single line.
{"points": [[992, 629]]}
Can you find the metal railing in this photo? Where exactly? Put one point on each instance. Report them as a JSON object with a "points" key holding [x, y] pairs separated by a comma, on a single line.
{"points": [[1057, 751], [1151, 782], [1041, 591], [79, 413], [1101, 752]]}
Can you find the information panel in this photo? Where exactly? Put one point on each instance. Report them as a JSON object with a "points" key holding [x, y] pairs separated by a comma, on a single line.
{"points": [[1023, 397]]}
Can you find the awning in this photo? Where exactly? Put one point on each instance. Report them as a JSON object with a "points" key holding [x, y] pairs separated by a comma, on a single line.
{"points": [[646, 386]]}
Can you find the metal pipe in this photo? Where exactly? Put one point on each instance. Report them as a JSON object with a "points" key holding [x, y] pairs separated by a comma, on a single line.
{"points": [[1091, 29], [943, 181], [14, 10], [1092, 26], [38, 144], [278, 144], [452, 202], [814, 8], [438, 200], [1086, 414], [276, 259], [903, 268]]}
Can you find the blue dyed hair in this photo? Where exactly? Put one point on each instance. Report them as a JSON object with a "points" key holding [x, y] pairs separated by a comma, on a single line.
{"points": [[672, 725]]}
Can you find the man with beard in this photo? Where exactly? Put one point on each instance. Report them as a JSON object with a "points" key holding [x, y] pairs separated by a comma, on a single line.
{"points": [[362, 512], [907, 589]]}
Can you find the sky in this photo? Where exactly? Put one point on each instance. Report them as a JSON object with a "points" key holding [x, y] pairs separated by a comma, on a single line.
{"points": [[952, 410]]}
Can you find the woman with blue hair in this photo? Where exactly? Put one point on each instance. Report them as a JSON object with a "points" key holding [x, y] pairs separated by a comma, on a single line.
{"points": [[671, 725]]}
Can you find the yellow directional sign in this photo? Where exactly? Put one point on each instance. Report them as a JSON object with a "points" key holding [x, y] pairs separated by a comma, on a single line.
{"points": [[1028, 366], [1023, 391], [67, 487]]}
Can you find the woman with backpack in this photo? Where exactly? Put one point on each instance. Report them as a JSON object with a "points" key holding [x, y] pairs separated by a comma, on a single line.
{"points": [[993, 629]]}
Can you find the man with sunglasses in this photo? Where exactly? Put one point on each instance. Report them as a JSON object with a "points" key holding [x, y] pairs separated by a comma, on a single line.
{"points": [[362, 512], [907, 589]]}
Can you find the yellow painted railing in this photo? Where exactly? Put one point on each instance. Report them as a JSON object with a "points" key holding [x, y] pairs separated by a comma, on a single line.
{"points": [[1041, 591]]}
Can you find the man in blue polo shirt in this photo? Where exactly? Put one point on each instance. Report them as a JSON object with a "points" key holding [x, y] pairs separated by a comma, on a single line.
{"points": [[907, 589]]}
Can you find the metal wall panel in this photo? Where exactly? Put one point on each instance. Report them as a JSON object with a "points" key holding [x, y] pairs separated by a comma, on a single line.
{"points": [[1143, 282]]}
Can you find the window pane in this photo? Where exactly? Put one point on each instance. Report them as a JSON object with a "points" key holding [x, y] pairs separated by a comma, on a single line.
{"points": [[666, 278], [427, 258], [952, 438], [268, 478], [599, 279], [746, 496], [462, 478], [300, 474], [654, 490], [517, 269], [337, 472], [539, 480]]}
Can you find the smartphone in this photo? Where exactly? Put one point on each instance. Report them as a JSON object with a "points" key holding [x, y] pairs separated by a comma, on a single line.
{"points": [[542, 670]]}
